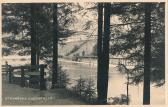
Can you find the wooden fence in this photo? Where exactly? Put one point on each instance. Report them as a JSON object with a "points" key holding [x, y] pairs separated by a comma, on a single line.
{"points": [[21, 73]]}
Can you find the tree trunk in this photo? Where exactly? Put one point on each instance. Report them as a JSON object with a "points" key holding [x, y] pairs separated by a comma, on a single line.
{"points": [[99, 51], [55, 47], [37, 43], [33, 35], [104, 67], [105, 59], [147, 55], [38, 51], [127, 88]]}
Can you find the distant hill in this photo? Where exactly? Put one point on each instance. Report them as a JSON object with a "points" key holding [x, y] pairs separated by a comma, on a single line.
{"points": [[77, 47]]}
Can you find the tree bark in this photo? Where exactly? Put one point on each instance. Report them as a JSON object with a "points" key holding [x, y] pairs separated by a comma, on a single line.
{"points": [[147, 55], [104, 67], [55, 47], [33, 35], [99, 51]]}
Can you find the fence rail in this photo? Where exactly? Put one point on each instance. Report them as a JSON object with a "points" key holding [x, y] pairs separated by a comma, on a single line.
{"points": [[23, 71]]}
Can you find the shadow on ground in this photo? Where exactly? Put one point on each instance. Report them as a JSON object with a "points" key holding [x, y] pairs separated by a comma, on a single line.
{"points": [[13, 94]]}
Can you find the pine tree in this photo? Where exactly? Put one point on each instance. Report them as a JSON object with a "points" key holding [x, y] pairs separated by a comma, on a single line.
{"points": [[130, 43], [104, 57], [99, 51], [55, 46], [147, 55], [33, 35]]}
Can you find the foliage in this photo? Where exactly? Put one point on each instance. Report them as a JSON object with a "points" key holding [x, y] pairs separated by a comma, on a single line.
{"points": [[80, 87], [63, 77], [75, 57], [86, 90], [122, 100], [127, 39], [6, 51], [17, 19]]}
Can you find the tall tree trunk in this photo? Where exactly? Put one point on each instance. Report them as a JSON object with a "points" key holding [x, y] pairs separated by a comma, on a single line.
{"points": [[99, 51], [55, 47], [147, 55], [104, 67], [38, 51], [106, 38], [37, 41], [33, 35]]}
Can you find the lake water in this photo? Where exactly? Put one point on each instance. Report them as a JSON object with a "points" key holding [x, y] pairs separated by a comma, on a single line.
{"points": [[117, 82]]}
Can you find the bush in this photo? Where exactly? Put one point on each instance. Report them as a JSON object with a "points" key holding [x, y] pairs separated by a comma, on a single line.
{"points": [[63, 77], [122, 100], [86, 90], [76, 57], [90, 91], [80, 87]]}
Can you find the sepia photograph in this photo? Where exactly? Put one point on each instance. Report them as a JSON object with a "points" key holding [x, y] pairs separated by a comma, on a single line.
{"points": [[83, 53]]}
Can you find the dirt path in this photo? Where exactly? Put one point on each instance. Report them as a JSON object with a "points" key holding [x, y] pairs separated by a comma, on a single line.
{"points": [[13, 94]]}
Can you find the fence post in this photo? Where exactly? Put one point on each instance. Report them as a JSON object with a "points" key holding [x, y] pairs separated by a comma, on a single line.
{"points": [[42, 80], [10, 70], [22, 81]]}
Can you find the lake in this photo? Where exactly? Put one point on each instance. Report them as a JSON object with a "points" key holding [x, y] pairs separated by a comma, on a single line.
{"points": [[117, 81]]}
